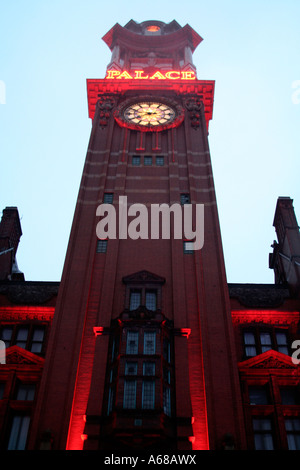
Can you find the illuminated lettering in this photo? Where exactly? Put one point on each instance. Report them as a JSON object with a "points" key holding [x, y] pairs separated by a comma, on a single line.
{"points": [[170, 75], [188, 75], [125, 75], [158, 75], [112, 73], [138, 74]]}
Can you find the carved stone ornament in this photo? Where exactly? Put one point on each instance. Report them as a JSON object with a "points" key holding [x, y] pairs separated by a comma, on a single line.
{"points": [[105, 105], [194, 107], [143, 277]]}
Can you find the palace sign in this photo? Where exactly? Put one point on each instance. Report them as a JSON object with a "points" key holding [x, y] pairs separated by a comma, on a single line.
{"points": [[141, 75]]}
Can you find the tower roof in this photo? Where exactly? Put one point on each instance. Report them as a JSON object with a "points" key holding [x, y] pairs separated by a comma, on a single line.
{"points": [[160, 34]]}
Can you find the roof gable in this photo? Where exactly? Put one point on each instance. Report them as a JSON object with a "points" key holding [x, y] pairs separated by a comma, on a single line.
{"points": [[268, 360], [17, 355]]}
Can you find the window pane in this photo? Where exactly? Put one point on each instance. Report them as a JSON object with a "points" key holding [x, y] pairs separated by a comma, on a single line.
{"points": [[18, 434], [167, 375], [263, 438], [108, 198], [292, 426], [185, 199], [187, 248], [148, 160], [281, 338], [149, 342], [2, 387], [258, 396], [149, 368], [101, 246], [148, 395], [289, 396], [136, 160], [166, 349], [151, 300], [131, 368], [6, 335], [167, 401], [135, 299], [159, 161], [22, 336], [110, 400], [263, 441], [132, 342], [250, 346], [282, 343], [129, 401], [37, 339], [26, 392], [265, 341]]}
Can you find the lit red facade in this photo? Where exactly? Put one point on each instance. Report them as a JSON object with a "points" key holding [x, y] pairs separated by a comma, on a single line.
{"points": [[143, 344]]}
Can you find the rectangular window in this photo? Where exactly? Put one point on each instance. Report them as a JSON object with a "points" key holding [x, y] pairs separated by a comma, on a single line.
{"points": [[265, 341], [187, 247], [149, 368], [185, 198], [166, 350], [131, 368], [37, 339], [258, 395], [22, 337], [18, 433], [167, 375], [25, 392], [147, 160], [263, 434], [292, 426], [148, 395], [167, 401], [129, 399], [289, 396], [249, 344], [135, 299], [108, 198], [101, 246], [151, 300], [2, 388], [149, 342], [132, 345], [160, 161], [110, 400], [136, 160], [282, 342], [6, 335]]}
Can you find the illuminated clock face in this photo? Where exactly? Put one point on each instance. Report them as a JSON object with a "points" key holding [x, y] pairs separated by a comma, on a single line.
{"points": [[149, 114]]}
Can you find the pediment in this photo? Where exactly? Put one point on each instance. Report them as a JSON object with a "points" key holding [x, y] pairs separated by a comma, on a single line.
{"points": [[143, 277], [17, 355], [268, 360]]}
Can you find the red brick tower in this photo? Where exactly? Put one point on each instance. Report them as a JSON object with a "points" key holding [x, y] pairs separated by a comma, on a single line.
{"points": [[142, 353]]}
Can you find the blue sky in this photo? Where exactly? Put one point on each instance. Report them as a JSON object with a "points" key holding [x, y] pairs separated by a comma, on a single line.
{"points": [[49, 48]]}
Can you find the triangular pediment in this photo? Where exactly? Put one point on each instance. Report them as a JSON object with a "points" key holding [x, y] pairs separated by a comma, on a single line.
{"points": [[143, 277], [268, 360], [17, 355]]}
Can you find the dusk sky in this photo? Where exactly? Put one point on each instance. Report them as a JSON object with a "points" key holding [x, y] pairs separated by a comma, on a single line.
{"points": [[49, 48]]}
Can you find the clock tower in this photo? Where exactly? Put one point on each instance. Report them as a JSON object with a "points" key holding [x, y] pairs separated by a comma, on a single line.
{"points": [[141, 353]]}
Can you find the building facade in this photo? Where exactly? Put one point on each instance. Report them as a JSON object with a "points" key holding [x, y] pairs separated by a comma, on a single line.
{"points": [[143, 344]]}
